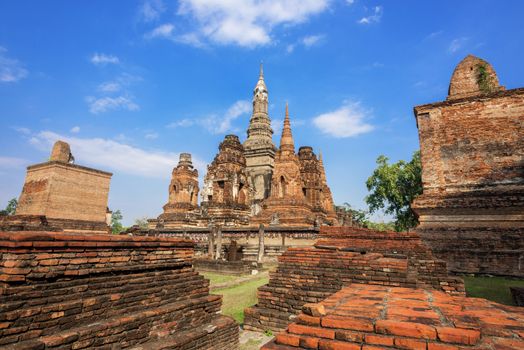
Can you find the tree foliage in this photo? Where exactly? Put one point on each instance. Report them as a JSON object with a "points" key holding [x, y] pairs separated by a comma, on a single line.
{"points": [[393, 187], [116, 222], [141, 222], [10, 209], [361, 218]]}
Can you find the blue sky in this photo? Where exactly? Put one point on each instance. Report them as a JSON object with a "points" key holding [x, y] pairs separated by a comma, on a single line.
{"points": [[131, 84]]}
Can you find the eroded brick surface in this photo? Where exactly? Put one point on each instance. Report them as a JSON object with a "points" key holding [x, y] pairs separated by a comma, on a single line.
{"points": [[471, 145], [345, 256], [61, 290], [380, 317]]}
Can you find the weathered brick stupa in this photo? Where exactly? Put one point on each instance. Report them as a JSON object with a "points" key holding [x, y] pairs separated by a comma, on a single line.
{"points": [[288, 204], [471, 211], [182, 207], [226, 194], [346, 256], [83, 291], [70, 196], [252, 183]]}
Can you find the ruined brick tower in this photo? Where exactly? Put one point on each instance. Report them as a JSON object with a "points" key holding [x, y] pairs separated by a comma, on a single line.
{"points": [[226, 193], [183, 195], [259, 149], [471, 211], [286, 204], [70, 196]]}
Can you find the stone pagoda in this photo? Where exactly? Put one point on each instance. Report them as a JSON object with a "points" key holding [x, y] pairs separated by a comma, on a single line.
{"points": [[259, 149]]}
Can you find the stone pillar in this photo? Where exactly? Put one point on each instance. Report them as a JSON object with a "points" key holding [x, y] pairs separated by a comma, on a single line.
{"points": [[219, 244], [283, 241], [211, 242], [260, 243]]}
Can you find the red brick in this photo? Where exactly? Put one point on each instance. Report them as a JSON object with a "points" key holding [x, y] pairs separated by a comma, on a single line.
{"points": [[458, 335], [410, 344], [379, 340], [308, 320], [311, 331], [407, 329], [358, 324], [438, 346], [308, 343], [337, 345], [287, 339]]}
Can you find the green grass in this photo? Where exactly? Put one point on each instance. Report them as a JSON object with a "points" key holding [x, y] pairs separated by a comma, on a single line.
{"points": [[492, 288], [236, 299], [216, 278]]}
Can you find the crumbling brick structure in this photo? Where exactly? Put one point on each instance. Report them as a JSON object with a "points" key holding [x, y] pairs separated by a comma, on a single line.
{"points": [[345, 256], [72, 291], [367, 317], [471, 211], [287, 204], [70, 196], [182, 206]]}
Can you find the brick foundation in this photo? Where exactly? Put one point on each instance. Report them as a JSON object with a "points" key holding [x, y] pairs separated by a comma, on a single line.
{"points": [[366, 317], [68, 291], [346, 256]]}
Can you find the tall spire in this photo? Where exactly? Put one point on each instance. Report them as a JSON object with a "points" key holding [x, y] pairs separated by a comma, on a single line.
{"points": [[261, 75], [260, 124], [286, 140]]}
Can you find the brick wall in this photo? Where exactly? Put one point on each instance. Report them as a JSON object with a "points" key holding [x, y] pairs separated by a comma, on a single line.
{"points": [[62, 290], [343, 256]]}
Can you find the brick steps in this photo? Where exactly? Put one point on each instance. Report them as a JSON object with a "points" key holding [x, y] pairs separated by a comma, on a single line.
{"points": [[219, 334], [129, 329]]}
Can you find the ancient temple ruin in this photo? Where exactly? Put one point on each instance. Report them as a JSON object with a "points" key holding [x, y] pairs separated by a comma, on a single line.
{"points": [[471, 211], [253, 183], [68, 195]]}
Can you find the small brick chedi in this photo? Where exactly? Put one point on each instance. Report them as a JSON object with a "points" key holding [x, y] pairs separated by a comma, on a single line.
{"points": [[253, 183], [471, 211], [70, 196]]}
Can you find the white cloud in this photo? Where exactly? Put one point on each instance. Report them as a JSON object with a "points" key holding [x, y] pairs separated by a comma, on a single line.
{"points": [[11, 70], [457, 44], [75, 129], [101, 59], [109, 86], [12, 162], [151, 10], [311, 40], [350, 2], [246, 23], [22, 130], [347, 121], [217, 124], [151, 135], [104, 104], [290, 48], [374, 18], [110, 155], [162, 31]]}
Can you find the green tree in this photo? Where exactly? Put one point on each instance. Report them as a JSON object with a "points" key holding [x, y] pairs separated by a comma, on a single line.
{"points": [[116, 222], [393, 187], [141, 222], [358, 216], [10, 209]]}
